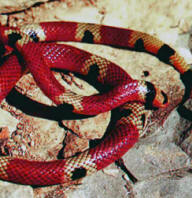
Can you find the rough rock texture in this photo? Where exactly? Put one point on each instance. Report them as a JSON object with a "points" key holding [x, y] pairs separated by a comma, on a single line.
{"points": [[19, 5], [15, 191], [161, 161]]}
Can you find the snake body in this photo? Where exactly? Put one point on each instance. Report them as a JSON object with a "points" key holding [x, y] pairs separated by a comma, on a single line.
{"points": [[32, 48]]}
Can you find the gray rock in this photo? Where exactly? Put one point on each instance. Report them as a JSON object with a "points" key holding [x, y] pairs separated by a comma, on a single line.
{"points": [[9, 190]]}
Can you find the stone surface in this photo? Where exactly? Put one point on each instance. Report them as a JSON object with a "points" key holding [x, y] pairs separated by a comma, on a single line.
{"points": [[164, 186], [19, 5], [157, 153], [100, 185], [161, 160], [15, 191]]}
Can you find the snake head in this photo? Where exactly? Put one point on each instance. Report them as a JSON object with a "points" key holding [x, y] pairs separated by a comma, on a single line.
{"points": [[155, 98], [160, 100]]}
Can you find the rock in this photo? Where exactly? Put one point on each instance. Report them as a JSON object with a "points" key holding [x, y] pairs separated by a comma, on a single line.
{"points": [[15, 191], [100, 185], [19, 5], [165, 186]]}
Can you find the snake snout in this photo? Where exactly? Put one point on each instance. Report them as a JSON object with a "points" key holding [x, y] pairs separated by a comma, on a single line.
{"points": [[161, 99], [155, 98]]}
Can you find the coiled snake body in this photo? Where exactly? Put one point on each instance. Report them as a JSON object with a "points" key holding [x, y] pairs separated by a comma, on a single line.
{"points": [[31, 48]]}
